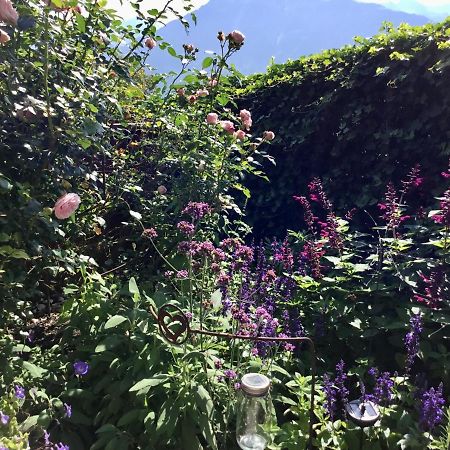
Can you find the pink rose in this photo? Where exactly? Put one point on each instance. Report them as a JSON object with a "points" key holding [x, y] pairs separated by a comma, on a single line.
{"points": [[212, 118], [227, 126], [212, 82], [246, 118], [192, 98], [181, 92], [236, 37], [7, 13], [245, 114], [4, 37], [162, 190], [66, 205], [268, 135], [240, 134], [202, 92], [150, 43]]}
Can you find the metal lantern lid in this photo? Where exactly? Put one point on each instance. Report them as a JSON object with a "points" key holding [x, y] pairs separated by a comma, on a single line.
{"points": [[363, 413], [255, 384]]}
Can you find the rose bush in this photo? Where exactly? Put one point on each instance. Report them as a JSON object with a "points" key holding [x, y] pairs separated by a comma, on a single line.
{"points": [[154, 166]]}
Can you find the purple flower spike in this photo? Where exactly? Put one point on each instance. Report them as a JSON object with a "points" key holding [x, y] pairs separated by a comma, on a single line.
{"points": [[80, 368], [431, 408], [61, 446], [412, 340], [19, 392], [230, 374], [4, 419], [68, 409], [330, 396]]}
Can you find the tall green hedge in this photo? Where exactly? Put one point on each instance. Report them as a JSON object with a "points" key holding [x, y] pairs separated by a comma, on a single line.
{"points": [[357, 117]]}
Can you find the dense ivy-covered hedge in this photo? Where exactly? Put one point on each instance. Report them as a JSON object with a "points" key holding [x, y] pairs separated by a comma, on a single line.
{"points": [[357, 117]]}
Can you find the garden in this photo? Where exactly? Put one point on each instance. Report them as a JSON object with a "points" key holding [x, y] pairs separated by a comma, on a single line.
{"points": [[203, 260]]}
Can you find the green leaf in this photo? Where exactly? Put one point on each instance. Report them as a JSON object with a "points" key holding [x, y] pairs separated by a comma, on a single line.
{"points": [[149, 382], [216, 299], [107, 428], [81, 23], [130, 417], [35, 371], [5, 184], [207, 62], [133, 287], [136, 215], [15, 253], [114, 321], [30, 422], [172, 51], [204, 400]]}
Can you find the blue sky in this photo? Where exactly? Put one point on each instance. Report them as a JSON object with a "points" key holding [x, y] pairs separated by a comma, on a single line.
{"points": [[434, 9]]}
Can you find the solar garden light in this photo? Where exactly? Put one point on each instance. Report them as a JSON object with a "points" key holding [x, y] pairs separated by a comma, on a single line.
{"points": [[363, 412]]}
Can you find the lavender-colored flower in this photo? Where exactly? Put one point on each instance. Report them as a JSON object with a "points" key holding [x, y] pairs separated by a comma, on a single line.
{"points": [[31, 336], [182, 274], [412, 340], [61, 446], [384, 384], [19, 392], [230, 374], [150, 233], [186, 228], [4, 419], [237, 386], [3, 448], [341, 377], [330, 396], [68, 409], [335, 391], [431, 408], [196, 210], [80, 368], [47, 438]]}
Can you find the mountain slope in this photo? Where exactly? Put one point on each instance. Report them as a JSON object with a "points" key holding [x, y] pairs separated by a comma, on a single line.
{"points": [[285, 29]]}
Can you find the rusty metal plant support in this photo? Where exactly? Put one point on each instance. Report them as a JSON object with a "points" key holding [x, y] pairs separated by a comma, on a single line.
{"points": [[169, 315]]}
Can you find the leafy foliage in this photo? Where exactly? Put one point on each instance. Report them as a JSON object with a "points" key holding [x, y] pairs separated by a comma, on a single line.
{"points": [[355, 117]]}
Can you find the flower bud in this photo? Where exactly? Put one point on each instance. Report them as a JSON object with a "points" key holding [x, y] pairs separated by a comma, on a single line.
{"points": [[212, 118], [268, 135], [150, 43], [188, 48], [236, 37], [227, 126], [4, 37], [240, 134], [220, 36], [202, 92], [162, 190]]}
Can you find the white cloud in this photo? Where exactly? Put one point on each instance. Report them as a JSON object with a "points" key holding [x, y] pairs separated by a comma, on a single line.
{"points": [[436, 9], [125, 10], [426, 3]]}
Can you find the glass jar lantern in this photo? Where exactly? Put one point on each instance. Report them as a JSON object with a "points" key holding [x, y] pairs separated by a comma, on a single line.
{"points": [[254, 412]]}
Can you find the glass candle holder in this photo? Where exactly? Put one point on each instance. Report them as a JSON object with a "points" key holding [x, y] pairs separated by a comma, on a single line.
{"points": [[254, 412]]}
